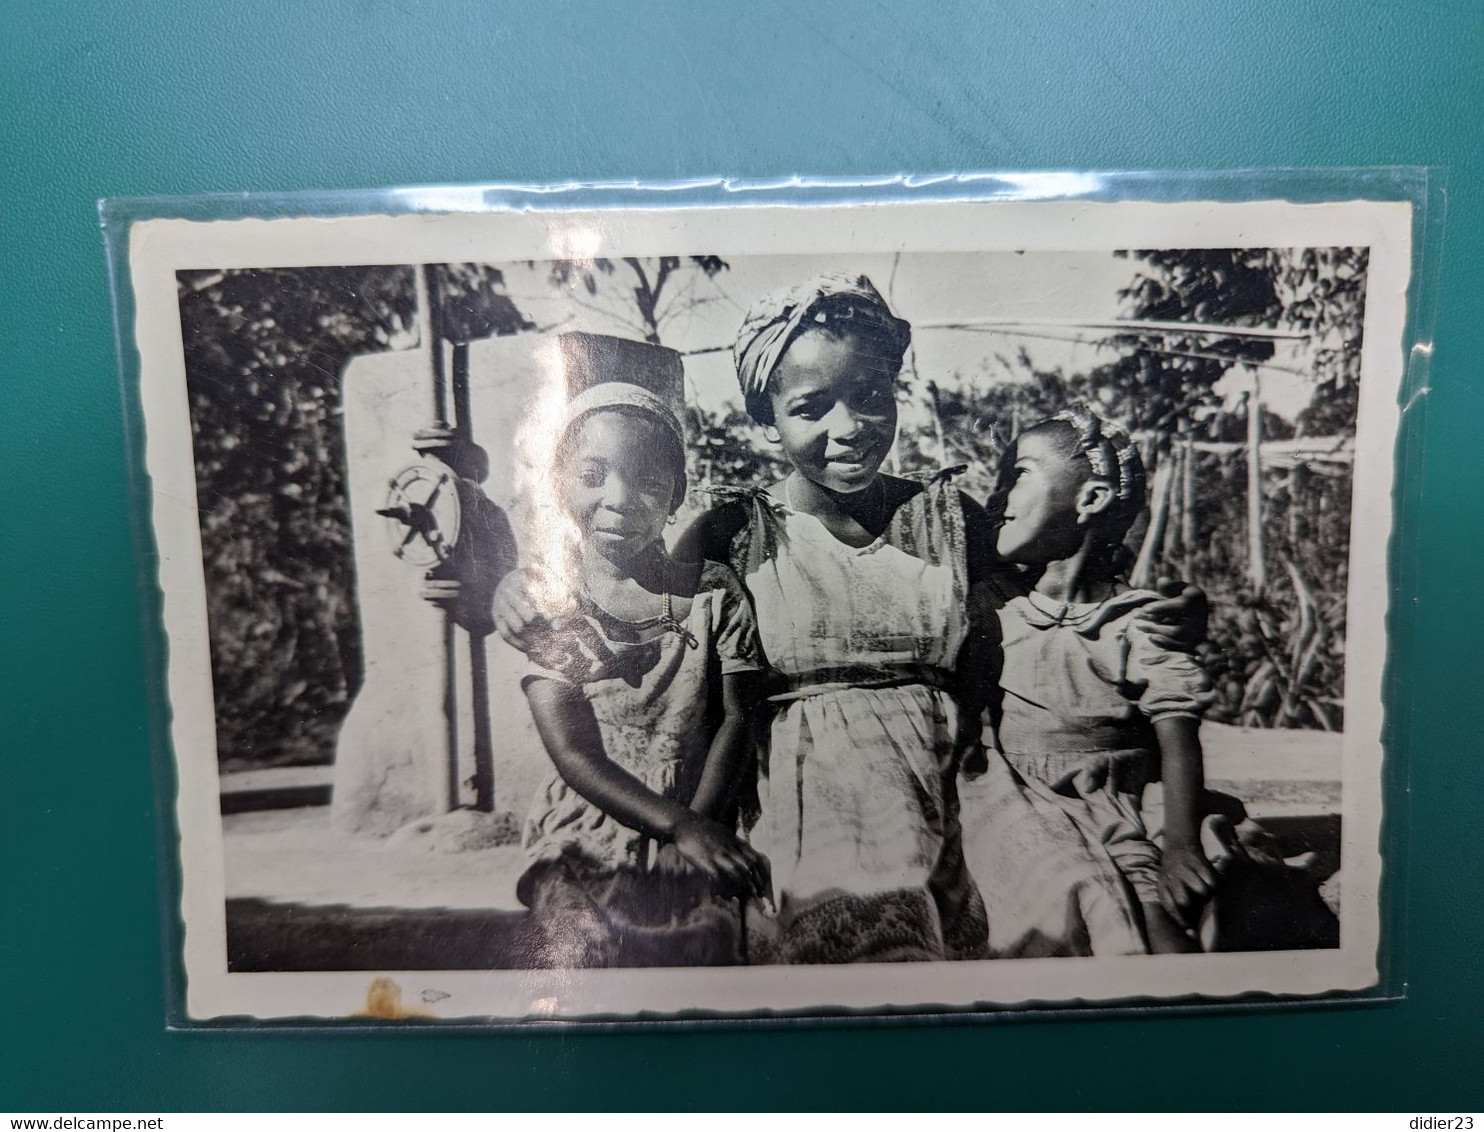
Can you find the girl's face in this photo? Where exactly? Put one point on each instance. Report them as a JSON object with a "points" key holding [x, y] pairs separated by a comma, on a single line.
{"points": [[834, 409], [1041, 510], [618, 483]]}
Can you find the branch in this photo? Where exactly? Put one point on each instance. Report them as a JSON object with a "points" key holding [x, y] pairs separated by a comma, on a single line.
{"points": [[606, 313], [647, 297], [665, 268], [638, 266], [678, 308]]}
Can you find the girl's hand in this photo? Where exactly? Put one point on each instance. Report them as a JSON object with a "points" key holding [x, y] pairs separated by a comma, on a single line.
{"points": [[1186, 881], [969, 753], [710, 848], [968, 743], [515, 611], [670, 863], [1177, 621], [572, 646]]}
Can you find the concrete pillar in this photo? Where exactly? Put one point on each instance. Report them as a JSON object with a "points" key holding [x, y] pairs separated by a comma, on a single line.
{"points": [[440, 723]]}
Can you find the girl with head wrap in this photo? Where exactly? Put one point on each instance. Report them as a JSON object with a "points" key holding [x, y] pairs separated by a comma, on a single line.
{"points": [[874, 599], [642, 695], [1092, 710], [861, 585]]}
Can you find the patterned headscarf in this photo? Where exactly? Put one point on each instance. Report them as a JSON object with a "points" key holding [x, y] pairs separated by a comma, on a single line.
{"points": [[775, 320], [1114, 458]]}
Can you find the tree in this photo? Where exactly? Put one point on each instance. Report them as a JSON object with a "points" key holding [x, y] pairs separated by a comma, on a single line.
{"points": [[264, 352], [653, 290], [1324, 291], [1162, 380], [978, 418], [1278, 657], [473, 303]]}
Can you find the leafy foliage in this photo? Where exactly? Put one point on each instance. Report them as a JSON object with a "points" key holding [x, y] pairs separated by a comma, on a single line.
{"points": [[472, 303], [1325, 290], [1277, 658], [1162, 379], [726, 450], [1285, 647], [264, 351], [973, 422]]}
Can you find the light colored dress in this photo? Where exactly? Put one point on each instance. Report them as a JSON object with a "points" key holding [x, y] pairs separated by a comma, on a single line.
{"points": [[649, 684], [858, 811], [859, 807], [1082, 687]]}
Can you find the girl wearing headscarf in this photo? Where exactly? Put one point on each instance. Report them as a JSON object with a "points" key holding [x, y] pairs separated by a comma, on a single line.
{"points": [[641, 691], [874, 600]]}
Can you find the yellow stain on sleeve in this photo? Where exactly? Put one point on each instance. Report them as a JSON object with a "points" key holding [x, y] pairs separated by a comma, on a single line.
{"points": [[384, 1000]]}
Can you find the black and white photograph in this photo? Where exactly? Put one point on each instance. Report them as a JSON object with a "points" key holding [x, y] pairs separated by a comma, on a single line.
{"points": [[598, 614]]}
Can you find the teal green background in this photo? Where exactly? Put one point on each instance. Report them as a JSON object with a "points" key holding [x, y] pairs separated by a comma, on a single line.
{"points": [[187, 96]]}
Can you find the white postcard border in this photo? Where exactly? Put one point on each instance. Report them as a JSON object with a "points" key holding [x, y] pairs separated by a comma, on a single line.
{"points": [[158, 248]]}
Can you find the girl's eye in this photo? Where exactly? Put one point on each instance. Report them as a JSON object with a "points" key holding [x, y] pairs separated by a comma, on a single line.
{"points": [[874, 399], [808, 410]]}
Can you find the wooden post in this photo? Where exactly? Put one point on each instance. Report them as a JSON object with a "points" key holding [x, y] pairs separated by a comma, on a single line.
{"points": [[1175, 524], [1257, 572], [932, 390], [1188, 519], [1144, 575]]}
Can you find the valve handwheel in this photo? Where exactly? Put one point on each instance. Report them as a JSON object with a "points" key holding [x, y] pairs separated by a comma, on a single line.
{"points": [[423, 513]]}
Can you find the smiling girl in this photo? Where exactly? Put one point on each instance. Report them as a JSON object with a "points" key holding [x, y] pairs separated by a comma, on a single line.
{"points": [[865, 591], [1092, 710], [641, 695], [875, 601]]}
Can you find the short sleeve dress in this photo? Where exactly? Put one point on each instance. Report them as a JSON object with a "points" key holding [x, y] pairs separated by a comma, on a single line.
{"points": [[650, 685], [1082, 687], [857, 810], [859, 802]]}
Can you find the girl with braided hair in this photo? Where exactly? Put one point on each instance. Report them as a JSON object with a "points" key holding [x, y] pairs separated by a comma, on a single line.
{"points": [[1091, 710]]}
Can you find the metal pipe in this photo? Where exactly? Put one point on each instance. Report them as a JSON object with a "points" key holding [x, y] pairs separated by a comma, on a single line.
{"points": [[430, 335]]}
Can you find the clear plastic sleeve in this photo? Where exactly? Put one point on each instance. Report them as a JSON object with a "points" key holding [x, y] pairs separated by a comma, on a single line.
{"points": [[382, 537]]}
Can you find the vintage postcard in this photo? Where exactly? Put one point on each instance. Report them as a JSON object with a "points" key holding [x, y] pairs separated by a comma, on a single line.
{"points": [[774, 610]]}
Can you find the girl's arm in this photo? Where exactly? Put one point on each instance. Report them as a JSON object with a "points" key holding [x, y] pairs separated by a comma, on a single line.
{"points": [[979, 660], [710, 535], [1186, 877], [727, 761], [570, 733], [731, 746], [569, 730]]}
